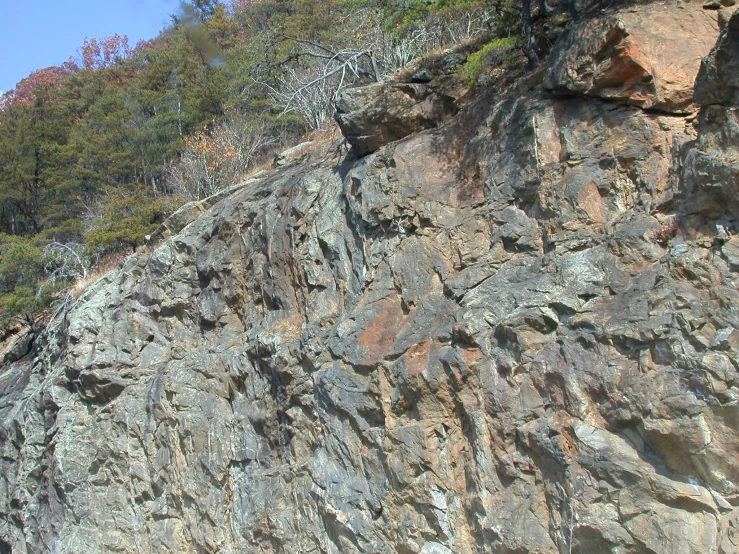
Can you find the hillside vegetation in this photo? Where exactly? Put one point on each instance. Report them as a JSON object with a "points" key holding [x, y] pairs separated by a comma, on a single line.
{"points": [[95, 153]]}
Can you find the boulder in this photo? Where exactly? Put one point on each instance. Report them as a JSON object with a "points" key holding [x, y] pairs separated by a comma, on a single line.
{"points": [[421, 76], [718, 79], [373, 116], [191, 211], [16, 344], [451, 61], [648, 56]]}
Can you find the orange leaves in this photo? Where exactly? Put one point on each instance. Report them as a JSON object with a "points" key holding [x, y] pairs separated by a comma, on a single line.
{"points": [[104, 52], [50, 77], [218, 156], [212, 150], [94, 54]]}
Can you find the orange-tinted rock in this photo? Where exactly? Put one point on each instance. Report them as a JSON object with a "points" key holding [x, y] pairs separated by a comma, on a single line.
{"points": [[379, 336], [589, 199], [648, 57]]}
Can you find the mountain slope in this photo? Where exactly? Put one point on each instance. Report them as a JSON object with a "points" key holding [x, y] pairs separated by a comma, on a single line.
{"points": [[514, 331]]}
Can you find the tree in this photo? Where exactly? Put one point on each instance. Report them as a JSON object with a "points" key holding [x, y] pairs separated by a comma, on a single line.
{"points": [[31, 142], [123, 217], [203, 9], [21, 273], [42, 79], [105, 52], [195, 12], [214, 159]]}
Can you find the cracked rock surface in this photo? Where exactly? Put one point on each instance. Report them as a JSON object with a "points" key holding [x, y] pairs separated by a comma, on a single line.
{"points": [[516, 332]]}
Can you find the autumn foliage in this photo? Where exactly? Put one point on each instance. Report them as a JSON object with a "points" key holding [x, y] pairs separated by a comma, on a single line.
{"points": [[48, 78], [105, 52]]}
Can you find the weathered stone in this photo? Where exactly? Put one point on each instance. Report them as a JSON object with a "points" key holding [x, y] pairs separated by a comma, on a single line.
{"points": [[421, 76], [188, 213], [373, 116], [710, 176], [16, 344], [449, 62], [648, 56], [718, 79], [731, 251], [467, 341], [281, 158]]}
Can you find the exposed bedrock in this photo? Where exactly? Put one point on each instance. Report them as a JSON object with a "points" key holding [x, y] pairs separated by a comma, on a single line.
{"points": [[513, 332], [373, 116], [647, 56]]}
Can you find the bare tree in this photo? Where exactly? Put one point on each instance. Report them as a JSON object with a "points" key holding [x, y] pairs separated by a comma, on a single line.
{"points": [[310, 89], [310, 78], [528, 33], [217, 158], [66, 264]]}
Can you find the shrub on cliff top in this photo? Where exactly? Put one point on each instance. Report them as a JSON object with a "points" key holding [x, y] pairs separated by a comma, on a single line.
{"points": [[499, 51]]}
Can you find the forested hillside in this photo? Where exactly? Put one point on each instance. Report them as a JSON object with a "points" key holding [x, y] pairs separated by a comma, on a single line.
{"points": [[94, 154]]}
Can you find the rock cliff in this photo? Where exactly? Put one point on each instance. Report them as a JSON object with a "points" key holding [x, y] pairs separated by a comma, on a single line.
{"points": [[515, 330]]}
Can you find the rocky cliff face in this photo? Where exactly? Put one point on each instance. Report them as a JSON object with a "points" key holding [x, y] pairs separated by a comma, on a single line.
{"points": [[514, 332]]}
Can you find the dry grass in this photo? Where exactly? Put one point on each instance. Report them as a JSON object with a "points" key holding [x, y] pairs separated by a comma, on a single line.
{"points": [[322, 141], [432, 60], [328, 133], [106, 265]]}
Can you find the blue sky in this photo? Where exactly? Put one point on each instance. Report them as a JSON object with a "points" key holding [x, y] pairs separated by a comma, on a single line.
{"points": [[39, 33]]}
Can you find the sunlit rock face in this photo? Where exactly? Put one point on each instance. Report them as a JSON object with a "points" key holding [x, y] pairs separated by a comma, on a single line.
{"points": [[514, 332], [648, 56]]}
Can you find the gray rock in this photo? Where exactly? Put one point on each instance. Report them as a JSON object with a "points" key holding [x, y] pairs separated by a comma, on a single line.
{"points": [[16, 345], [422, 76], [468, 340], [731, 251], [281, 158], [373, 116], [451, 61], [718, 79]]}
